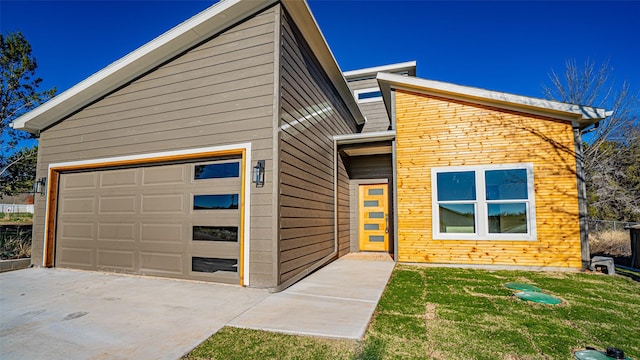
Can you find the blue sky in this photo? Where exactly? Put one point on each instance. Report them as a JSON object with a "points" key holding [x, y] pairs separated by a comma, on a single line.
{"points": [[506, 45]]}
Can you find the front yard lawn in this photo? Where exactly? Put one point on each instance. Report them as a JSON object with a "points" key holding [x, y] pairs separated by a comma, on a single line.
{"points": [[446, 313]]}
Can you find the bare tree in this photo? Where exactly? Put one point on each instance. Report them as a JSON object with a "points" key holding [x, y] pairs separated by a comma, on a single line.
{"points": [[610, 147]]}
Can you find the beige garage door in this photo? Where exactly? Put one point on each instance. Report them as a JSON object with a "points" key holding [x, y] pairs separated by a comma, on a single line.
{"points": [[180, 220]]}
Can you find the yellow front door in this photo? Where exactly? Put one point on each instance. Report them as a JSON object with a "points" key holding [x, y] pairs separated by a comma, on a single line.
{"points": [[373, 217]]}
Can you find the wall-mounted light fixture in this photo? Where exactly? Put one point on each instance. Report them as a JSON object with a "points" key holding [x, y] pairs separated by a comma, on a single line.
{"points": [[40, 186], [258, 174]]}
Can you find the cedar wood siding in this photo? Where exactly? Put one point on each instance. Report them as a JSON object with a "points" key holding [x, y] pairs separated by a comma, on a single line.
{"points": [[375, 112], [219, 92], [437, 132], [311, 113]]}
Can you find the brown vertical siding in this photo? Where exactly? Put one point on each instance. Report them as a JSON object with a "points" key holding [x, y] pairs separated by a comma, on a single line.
{"points": [[437, 132], [218, 93], [311, 113]]}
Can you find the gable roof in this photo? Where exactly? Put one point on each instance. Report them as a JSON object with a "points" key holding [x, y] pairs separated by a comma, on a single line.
{"points": [[177, 40], [583, 116]]}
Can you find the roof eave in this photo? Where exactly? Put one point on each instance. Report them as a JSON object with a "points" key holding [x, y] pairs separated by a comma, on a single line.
{"points": [[368, 137], [584, 116]]}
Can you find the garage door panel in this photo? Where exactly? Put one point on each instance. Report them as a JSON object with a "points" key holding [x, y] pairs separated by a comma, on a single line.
{"points": [[227, 183], [77, 205], [79, 181], [162, 233], [126, 178], [75, 257], [164, 175], [142, 220], [77, 231], [229, 217], [163, 263], [219, 249], [163, 204], [115, 259], [219, 277], [120, 231], [111, 204]]}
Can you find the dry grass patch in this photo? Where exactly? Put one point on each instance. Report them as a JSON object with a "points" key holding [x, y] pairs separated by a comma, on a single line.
{"points": [[614, 243]]}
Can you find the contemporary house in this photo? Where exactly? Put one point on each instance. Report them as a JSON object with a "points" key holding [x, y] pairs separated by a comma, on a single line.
{"points": [[233, 149]]}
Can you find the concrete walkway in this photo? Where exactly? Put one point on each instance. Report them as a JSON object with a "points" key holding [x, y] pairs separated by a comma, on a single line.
{"points": [[68, 314], [337, 301]]}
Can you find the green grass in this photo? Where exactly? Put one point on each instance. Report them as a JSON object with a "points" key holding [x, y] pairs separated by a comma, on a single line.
{"points": [[241, 344], [446, 313]]}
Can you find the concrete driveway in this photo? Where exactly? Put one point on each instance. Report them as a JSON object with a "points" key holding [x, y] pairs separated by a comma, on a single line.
{"points": [[71, 314], [68, 314]]}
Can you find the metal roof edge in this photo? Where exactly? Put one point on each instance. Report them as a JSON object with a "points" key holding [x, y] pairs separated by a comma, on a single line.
{"points": [[407, 65], [585, 115]]}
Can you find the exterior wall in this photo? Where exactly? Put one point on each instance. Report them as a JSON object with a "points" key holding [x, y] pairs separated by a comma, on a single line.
{"points": [[435, 132], [375, 111], [311, 113], [219, 93]]}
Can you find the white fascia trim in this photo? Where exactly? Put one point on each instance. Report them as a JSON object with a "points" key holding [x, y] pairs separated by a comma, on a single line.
{"points": [[365, 137], [376, 69], [139, 61], [516, 102], [150, 157]]}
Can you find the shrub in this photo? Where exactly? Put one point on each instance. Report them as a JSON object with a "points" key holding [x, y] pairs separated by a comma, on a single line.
{"points": [[15, 242]]}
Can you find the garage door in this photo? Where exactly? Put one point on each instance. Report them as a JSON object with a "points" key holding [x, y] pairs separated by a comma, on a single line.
{"points": [[176, 220]]}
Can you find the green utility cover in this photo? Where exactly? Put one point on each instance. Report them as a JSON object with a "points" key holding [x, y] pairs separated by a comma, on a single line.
{"points": [[538, 297], [593, 355], [522, 287]]}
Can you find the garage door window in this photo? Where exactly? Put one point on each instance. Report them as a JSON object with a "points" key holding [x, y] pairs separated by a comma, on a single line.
{"points": [[211, 265], [215, 233], [216, 171], [215, 202]]}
